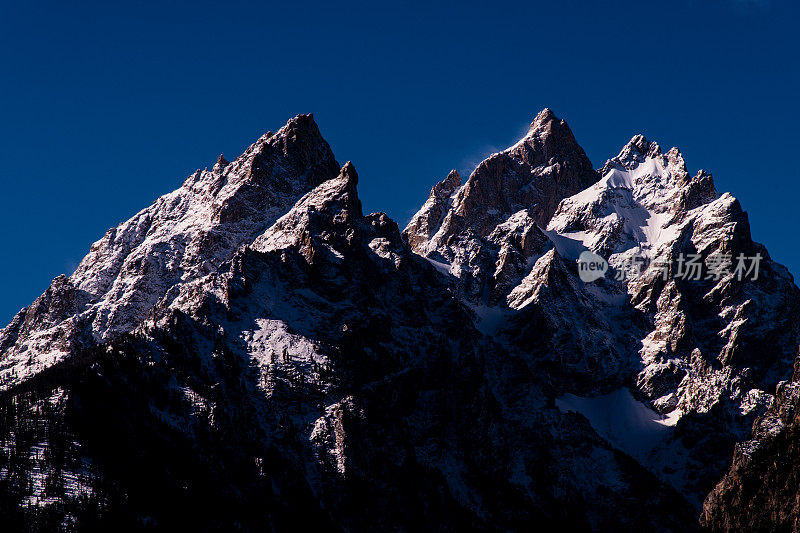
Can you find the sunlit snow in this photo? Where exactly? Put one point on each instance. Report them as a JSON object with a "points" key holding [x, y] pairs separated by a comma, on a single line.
{"points": [[623, 421]]}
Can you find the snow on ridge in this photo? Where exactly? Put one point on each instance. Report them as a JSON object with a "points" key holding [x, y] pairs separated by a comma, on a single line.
{"points": [[183, 235], [636, 200]]}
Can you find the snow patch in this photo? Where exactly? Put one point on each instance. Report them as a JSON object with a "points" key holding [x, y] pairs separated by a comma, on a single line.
{"points": [[624, 422]]}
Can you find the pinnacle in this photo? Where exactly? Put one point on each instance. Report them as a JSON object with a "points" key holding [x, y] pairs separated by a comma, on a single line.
{"points": [[640, 145], [545, 115], [302, 118], [349, 172], [221, 163], [453, 180]]}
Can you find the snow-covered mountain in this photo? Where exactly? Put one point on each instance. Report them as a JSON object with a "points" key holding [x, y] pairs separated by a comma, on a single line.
{"points": [[253, 348], [494, 219], [183, 235], [705, 355]]}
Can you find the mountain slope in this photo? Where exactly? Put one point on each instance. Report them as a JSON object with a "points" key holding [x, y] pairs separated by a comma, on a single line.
{"points": [[324, 369], [693, 351], [183, 235], [759, 490], [518, 188], [254, 348]]}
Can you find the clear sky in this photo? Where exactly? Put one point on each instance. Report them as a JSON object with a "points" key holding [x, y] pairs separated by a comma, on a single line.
{"points": [[104, 107]]}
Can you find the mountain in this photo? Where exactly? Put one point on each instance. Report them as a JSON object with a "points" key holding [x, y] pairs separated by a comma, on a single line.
{"points": [[469, 227], [253, 351], [705, 355], [183, 235]]}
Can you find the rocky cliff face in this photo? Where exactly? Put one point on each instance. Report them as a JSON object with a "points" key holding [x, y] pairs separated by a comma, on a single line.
{"points": [[471, 228], [183, 235], [759, 490], [253, 348], [692, 350]]}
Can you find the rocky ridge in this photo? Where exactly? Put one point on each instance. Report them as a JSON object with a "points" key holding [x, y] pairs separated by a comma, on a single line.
{"points": [[670, 341], [253, 346], [183, 235]]}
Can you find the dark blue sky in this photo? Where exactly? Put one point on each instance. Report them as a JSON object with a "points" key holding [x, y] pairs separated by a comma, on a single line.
{"points": [[105, 107]]}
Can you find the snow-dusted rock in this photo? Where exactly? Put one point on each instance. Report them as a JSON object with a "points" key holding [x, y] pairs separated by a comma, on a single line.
{"points": [[253, 348], [468, 227], [185, 234], [695, 350]]}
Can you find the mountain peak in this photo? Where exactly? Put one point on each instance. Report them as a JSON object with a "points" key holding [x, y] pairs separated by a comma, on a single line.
{"points": [[221, 163], [424, 224], [639, 149], [349, 173], [303, 120], [447, 186], [256, 321], [339, 194], [639, 145], [202, 224], [544, 167], [545, 115], [332, 202], [299, 127]]}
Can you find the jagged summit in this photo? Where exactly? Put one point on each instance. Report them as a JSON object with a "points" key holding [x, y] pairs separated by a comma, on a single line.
{"points": [[643, 195], [336, 200], [349, 173], [543, 120], [639, 149], [660, 181], [535, 174], [635, 151], [548, 135], [183, 235], [545, 115], [252, 348], [449, 185], [640, 144], [221, 163]]}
